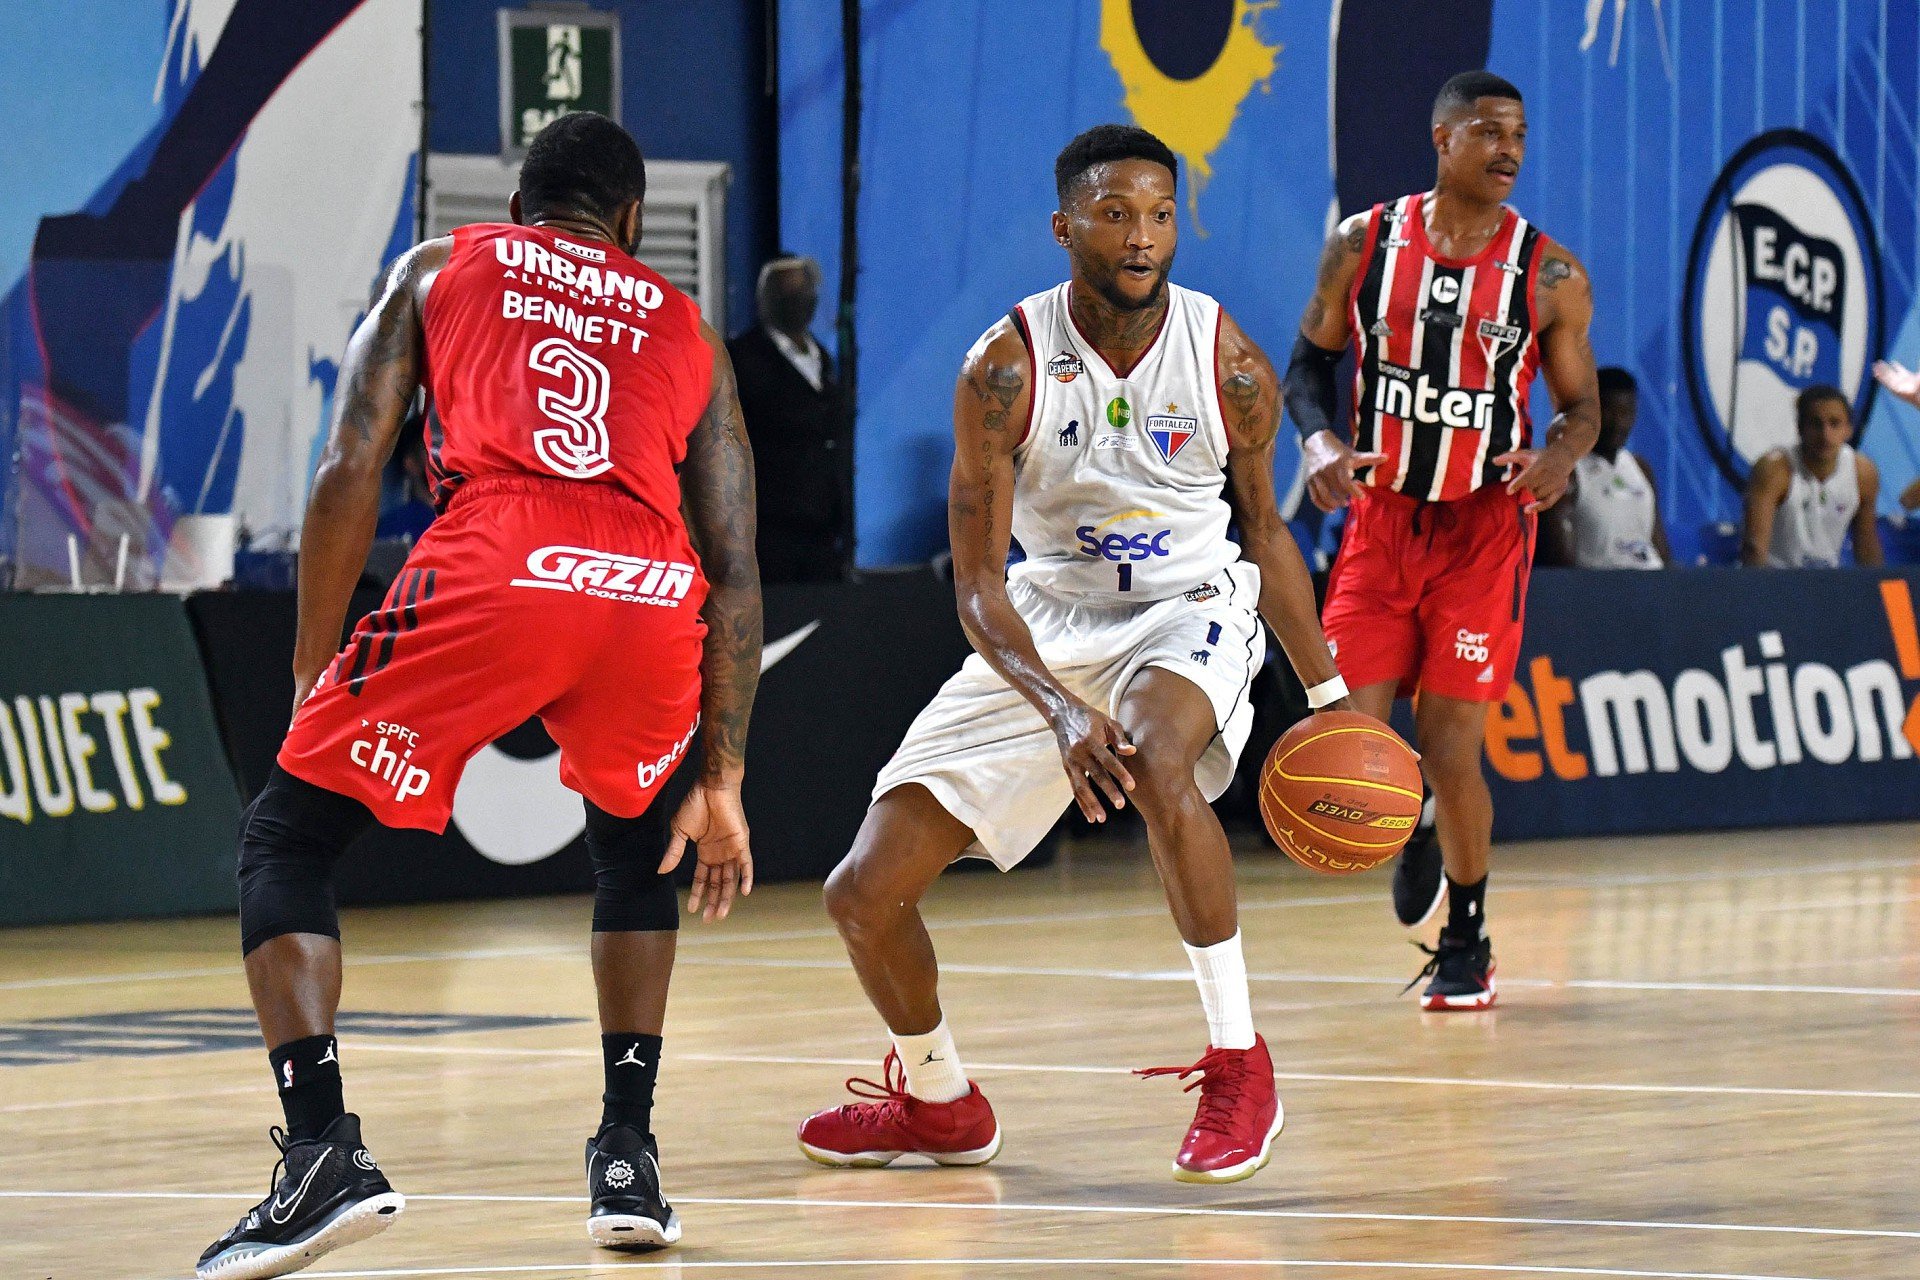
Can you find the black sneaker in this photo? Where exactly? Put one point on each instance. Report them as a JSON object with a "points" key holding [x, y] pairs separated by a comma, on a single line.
{"points": [[1462, 970], [1419, 875], [623, 1181], [327, 1192]]}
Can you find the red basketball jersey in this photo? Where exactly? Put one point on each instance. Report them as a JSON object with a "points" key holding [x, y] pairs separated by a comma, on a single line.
{"points": [[551, 356], [1445, 352]]}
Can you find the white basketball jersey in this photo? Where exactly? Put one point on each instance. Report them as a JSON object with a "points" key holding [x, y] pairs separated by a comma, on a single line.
{"points": [[1613, 514], [1811, 525], [1117, 490]]}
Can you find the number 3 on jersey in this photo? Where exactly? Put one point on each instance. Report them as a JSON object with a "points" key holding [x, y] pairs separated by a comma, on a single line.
{"points": [[576, 445]]}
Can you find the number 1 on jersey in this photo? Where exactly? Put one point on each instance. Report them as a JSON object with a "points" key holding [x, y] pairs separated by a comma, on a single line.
{"points": [[1126, 577]]}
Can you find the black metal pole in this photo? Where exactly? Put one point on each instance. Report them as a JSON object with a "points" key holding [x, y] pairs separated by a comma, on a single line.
{"points": [[849, 200], [426, 110]]}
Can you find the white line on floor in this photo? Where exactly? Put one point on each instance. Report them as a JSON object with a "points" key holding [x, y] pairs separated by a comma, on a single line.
{"points": [[1530, 880], [1312, 1077], [988, 1264], [1097, 1210], [1329, 979]]}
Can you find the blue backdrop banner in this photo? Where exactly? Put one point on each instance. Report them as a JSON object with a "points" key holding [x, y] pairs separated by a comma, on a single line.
{"points": [[1740, 180]]}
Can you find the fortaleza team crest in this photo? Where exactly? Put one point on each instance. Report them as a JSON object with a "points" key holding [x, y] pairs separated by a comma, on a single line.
{"points": [[1170, 432], [1783, 292]]}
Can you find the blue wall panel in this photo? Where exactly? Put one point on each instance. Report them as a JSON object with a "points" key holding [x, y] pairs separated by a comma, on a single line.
{"points": [[692, 77], [967, 103]]}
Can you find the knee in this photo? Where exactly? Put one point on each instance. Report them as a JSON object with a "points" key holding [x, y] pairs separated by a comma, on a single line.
{"points": [[629, 893], [1163, 785], [849, 900], [1451, 766], [290, 837]]}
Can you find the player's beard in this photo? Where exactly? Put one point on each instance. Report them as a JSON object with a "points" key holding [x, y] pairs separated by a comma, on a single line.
{"points": [[1107, 285]]}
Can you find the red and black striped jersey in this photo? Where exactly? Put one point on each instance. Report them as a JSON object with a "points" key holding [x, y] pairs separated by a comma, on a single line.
{"points": [[1445, 350]]}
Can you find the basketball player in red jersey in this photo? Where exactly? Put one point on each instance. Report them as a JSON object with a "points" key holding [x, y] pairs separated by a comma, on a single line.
{"points": [[1451, 301], [567, 383]]}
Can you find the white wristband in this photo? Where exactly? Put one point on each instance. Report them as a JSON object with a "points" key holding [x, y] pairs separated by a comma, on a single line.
{"points": [[1328, 691]]}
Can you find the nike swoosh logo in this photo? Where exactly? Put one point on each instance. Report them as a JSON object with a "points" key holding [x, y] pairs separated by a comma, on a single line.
{"points": [[772, 653], [281, 1212]]}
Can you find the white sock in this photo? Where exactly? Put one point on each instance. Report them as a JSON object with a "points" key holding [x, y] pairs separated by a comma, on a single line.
{"points": [[934, 1073], [1221, 971]]}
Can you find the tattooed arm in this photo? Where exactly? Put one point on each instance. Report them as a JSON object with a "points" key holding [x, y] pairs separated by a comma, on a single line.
{"points": [[1250, 394], [1565, 301], [991, 405], [379, 375], [1324, 333], [716, 485]]}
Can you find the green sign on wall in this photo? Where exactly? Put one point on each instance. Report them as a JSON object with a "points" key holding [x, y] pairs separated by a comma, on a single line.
{"points": [[555, 59]]}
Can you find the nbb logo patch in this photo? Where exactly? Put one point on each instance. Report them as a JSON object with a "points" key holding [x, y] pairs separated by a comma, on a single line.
{"points": [[1783, 292], [609, 576]]}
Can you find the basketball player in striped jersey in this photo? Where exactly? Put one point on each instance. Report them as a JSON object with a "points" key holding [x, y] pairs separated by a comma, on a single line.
{"points": [[1451, 302], [1116, 425]]}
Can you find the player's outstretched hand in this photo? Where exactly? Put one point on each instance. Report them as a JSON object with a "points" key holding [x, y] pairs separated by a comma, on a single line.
{"points": [[1543, 474], [1330, 464], [1899, 380], [711, 817], [1091, 745]]}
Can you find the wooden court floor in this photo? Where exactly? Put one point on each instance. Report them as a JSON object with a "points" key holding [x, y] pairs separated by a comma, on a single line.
{"points": [[1705, 1063]]}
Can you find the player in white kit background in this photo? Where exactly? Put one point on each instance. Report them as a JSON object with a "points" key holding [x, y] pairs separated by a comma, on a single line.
{"points": [[1803, 501], [1114, 425], [1609, 517]]}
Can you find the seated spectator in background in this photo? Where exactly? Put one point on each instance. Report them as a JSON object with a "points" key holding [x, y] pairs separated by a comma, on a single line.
{"points": [[1904, 383], [1610, 516], [802, 434], [1802, 501]]}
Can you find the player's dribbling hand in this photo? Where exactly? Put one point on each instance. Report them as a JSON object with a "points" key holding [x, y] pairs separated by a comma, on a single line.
{"points": [[1330, 464], [712, 818], [1543, 474], [1091, 745]]}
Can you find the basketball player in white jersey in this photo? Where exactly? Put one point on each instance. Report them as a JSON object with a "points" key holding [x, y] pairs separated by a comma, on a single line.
{"points": [[1610, 516], [1803, 501], [1451, 302], [1115, 425]]}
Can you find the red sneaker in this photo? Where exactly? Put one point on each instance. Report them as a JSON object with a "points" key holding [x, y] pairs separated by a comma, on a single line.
{"points": [[870, 1135], [1233, 1131]]}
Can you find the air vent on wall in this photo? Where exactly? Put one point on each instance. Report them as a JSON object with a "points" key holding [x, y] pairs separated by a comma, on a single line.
{"points": [[683, 236]]}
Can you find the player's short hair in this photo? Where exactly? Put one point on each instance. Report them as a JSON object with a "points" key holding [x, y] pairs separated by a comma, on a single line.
{"points": [[1813, 397], [1103, 144], [585, 163], [1613, 379], [1467, 88]]}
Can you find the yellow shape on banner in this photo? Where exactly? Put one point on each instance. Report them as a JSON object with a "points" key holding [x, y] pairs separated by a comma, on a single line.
{"points": [[1192, 114]]}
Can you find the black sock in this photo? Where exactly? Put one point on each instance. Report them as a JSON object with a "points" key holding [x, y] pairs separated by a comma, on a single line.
{"points": [[633, 1064], [1467, 908], [308, 1073]]}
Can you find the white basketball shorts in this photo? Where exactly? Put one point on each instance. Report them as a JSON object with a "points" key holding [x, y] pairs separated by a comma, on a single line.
{"points": [[988, 756]]}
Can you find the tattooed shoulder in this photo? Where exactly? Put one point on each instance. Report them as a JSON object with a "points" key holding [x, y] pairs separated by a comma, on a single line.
{"points": [[1553, 271], [996, 384]]}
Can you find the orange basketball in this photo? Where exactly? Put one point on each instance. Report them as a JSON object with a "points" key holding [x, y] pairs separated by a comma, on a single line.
{"points": [[1340, 792]]}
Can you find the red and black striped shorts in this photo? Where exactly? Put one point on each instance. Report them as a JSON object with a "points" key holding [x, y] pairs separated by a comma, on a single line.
{"points": [[529, 597]]}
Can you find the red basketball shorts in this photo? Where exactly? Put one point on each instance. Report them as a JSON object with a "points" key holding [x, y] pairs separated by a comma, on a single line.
{"points": [[1431, 595], [528, 597]]}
